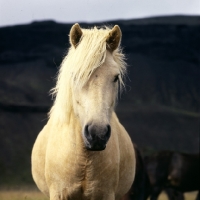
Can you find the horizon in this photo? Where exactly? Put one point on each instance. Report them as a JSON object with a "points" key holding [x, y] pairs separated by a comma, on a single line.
{"points": [[136, 20]]}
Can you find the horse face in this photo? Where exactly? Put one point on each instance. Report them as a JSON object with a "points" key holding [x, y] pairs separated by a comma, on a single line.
{"points": [[94, 103]]}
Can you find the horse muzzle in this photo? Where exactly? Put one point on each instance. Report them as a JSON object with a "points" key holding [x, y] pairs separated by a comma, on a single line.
{"points": [[96, 137]]}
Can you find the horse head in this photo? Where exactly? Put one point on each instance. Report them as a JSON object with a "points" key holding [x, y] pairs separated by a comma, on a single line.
{"points": [[94, 101]]}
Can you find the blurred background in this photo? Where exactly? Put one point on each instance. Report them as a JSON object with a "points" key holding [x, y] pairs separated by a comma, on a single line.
{"points": [[161, 39]]}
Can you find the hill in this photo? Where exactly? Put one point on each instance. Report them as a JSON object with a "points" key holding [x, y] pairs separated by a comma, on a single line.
{"points": [[160, 107]]}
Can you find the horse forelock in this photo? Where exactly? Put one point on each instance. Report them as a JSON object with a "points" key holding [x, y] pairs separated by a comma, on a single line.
{"points": [[77, 67]]}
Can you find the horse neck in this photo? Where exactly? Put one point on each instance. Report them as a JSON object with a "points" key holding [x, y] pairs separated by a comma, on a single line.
{"points": [[75, 130], [69, 130]]}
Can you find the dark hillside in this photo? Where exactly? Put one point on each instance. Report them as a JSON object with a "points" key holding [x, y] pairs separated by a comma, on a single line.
{"points": [[160, 107]]}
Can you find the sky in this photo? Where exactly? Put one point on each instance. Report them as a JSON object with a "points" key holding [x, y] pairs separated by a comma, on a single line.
{"points": [[13, 12]]}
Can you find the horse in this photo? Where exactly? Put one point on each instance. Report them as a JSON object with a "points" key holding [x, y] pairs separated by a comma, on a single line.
{"points": [[173, 172], [84, 152], [183, 173]]}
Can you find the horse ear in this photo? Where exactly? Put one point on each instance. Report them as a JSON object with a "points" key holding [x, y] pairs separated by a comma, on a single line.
{"points": [[75, 34], [114, 38]]}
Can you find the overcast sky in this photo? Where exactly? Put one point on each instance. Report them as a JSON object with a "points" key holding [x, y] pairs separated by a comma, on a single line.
{"points": [[25, 11]]}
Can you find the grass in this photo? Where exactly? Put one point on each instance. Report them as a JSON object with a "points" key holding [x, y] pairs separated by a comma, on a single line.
{"points": [[34, 194], [21, 193]]}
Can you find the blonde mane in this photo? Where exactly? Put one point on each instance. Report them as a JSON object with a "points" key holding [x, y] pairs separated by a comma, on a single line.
{"points": [[77, 67]]}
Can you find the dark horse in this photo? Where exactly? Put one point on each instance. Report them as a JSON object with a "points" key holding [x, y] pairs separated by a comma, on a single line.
{"points": [[140, 189], [173, 172]]}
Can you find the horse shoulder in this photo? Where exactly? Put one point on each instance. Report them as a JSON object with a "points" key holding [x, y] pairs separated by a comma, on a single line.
{"points": [[38, 160], [127, 163]]}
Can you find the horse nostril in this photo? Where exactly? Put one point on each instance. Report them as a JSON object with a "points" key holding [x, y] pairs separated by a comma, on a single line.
{"points": [[86, 132], [108, 132]]}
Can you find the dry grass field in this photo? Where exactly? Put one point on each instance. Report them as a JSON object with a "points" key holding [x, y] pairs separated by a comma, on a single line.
{"points": [[31, 193], [21, 193]]}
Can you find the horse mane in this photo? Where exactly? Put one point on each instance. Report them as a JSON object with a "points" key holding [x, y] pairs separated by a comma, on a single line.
{"points": [[77, 67]]}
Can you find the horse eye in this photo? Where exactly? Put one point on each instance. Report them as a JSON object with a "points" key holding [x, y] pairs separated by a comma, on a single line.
{"points": [[116, 78]]}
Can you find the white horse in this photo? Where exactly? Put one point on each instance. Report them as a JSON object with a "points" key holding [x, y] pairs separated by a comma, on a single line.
{"points": [[84, 152]]}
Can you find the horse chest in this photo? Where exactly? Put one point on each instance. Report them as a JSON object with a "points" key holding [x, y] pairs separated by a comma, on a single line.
{"points": [[87, 171], [83, 179]]}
